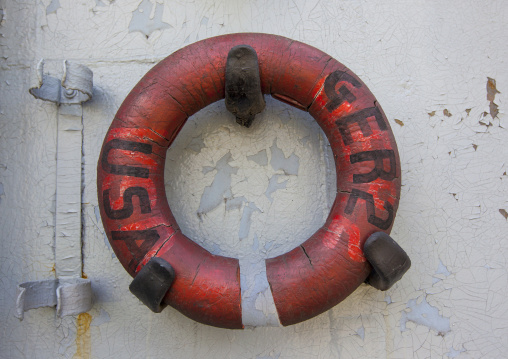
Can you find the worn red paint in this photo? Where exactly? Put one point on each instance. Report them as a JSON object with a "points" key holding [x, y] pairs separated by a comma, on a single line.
{"points": [[306, 281]]}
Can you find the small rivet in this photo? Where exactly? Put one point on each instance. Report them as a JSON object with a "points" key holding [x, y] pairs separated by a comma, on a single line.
{"points": [[70, 93]]}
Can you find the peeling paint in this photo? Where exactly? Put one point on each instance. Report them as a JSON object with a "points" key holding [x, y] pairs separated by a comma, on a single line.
{"points": [[220, 188], [491, 96], [441, 270], [304, 140], [258, 308], [453, 353], [197, 144], [444, 179], [147, 18], [101, 319], [53, 7], [245, 221], [207, 169], [361, 332], [424, 314], [274, 185], [260, 158], [279, 162]]}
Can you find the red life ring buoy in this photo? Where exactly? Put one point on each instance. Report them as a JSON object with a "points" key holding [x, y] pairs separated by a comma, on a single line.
{"points": [[309, 279]]}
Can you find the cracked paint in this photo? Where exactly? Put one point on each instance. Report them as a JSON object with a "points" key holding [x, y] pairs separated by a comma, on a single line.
{"points": [[453, 204]]}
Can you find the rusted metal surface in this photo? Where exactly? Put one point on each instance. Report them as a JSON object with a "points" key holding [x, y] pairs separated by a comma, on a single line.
{"points": [[311, 278], [244, 98]]}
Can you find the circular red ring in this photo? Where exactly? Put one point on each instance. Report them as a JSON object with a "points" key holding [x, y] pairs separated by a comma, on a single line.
{"points": [[311, 278]]}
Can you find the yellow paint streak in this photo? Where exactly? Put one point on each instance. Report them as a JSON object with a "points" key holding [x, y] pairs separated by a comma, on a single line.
{"points": [[83, 342]]}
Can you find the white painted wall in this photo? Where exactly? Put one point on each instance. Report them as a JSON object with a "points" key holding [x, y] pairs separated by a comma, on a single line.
{"points": [[427, 62]]}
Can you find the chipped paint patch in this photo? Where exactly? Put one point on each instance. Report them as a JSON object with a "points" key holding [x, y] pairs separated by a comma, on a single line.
{"points": [[424, 314], [274, 185], [196, 144], [245, 221], [278, 161], [261, 158], [53, 7], [441, 271], [258, 308], [220, 188], [101, 319], [491, 96], [453, 353], [147, 18], [361, 332]]}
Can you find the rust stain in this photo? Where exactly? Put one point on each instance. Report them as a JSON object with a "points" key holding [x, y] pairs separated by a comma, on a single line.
{"points": [[447, 113], [83, 275], [491, 89], [504, 213], [468, 110], [491, 95], [83, 341], [432, 113], [399, 122]]}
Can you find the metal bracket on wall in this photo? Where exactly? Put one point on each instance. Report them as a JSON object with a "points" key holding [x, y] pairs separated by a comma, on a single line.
{"points": [[69, 291], [70, 296], [243, 96]]}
